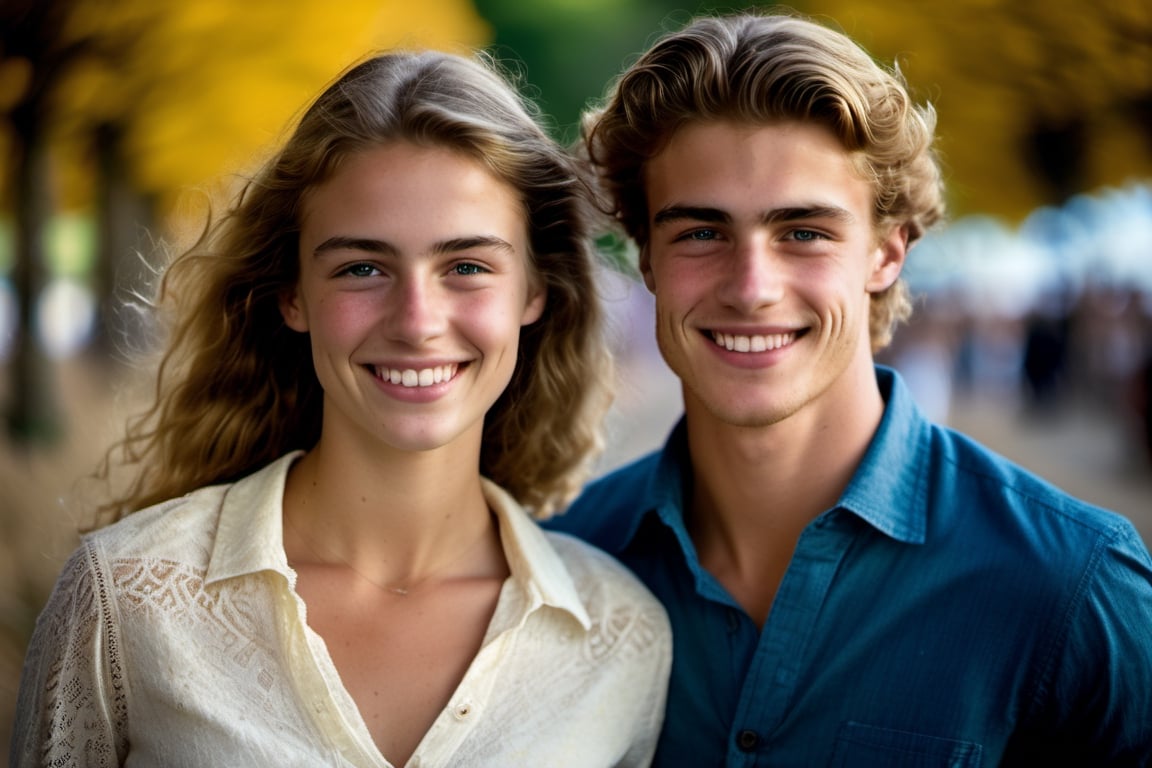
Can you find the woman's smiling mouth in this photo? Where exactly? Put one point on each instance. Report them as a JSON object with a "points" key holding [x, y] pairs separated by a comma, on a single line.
{"points": [[417, 377]]}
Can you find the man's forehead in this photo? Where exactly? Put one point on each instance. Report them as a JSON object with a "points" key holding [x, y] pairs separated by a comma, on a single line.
{"points": [[771, 171]]}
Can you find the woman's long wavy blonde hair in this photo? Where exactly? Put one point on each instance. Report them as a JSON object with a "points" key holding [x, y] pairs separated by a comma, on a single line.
{"points": [[766, 67], [236, 388]]}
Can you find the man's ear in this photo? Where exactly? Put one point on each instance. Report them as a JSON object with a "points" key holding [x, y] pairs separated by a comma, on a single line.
{"points": [[292, 310], [645, 264], [888, 259]]}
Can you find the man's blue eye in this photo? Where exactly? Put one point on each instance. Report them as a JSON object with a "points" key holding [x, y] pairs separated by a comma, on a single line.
{"points": [[467, 268], [702, 234]]}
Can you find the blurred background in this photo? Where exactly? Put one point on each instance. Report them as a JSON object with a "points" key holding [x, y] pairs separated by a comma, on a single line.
{"points": [[121, 123]]}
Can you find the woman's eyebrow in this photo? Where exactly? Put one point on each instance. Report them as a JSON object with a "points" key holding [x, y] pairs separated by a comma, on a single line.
{"points": [[384, 248], [475, 241], [343, 243]]}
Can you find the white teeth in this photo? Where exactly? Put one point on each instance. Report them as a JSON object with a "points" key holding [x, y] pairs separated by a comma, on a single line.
{"points": [[425, 377], [756, 343]]}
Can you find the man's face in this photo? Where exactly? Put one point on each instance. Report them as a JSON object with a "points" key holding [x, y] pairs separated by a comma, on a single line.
{"points": [[762, 256]]}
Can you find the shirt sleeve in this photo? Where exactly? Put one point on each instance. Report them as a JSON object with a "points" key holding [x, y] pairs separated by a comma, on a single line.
{"points": [[72, 705], [1100, 690]]}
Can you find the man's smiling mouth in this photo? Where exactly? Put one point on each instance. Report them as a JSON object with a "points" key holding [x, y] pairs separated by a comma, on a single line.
{"points": [[753, 343]]}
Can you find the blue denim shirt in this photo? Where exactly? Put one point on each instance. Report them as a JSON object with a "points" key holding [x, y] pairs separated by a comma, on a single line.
{"points": [[951, 609]]}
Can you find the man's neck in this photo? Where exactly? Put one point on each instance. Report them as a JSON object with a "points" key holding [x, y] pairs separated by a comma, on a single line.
{"points": [[756, 488]]}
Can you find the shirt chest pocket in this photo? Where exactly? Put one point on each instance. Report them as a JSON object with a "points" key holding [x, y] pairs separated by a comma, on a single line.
{"points": [[859, 746]]}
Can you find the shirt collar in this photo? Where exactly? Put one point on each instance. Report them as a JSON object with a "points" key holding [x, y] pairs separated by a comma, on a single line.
{"points": [[535, 565], [888, 489], [250, 538], [250, 534]]}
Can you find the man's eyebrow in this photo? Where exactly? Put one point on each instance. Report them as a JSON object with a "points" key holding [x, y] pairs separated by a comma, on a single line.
{"points": [[384, 248], [799, 212], [719, 216], [690, 212]]}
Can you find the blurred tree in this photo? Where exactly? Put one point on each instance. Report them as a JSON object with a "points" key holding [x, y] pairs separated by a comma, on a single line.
{"points": [[33, 62], [1038, 100], [159, 98], [569, 50]]}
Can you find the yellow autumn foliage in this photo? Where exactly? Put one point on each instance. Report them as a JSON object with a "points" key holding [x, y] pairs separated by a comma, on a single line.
{"points": [[203, 88], [996, 69]]}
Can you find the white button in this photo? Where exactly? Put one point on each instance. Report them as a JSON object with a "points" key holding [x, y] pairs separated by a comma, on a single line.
{"points": [[462, 710]]}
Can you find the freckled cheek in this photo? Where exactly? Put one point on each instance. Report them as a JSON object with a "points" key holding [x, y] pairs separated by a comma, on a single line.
{"points": [[346, 320]]}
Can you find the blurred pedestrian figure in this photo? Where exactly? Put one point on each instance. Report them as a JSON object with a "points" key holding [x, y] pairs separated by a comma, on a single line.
{"points": [[1045, 354]]}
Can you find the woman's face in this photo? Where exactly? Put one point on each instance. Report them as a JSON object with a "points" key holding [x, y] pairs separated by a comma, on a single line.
{"points": [[414, 284]]}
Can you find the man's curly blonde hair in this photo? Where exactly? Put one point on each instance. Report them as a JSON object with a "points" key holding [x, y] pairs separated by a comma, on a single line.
{"points": [[768, 68]]}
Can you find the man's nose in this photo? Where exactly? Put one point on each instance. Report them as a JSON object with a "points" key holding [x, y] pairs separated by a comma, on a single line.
{"points": [[754, 276]]}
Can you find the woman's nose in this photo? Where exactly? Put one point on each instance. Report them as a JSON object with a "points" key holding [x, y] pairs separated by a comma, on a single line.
{"points": [[418, 314]]}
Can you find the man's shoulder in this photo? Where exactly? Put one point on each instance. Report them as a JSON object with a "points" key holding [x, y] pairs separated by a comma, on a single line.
{"points": [[610, 503], [973, 479], [633, 481]]}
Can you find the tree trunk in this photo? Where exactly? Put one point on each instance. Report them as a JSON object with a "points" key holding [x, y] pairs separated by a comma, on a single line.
{"points": [[32, 413]]}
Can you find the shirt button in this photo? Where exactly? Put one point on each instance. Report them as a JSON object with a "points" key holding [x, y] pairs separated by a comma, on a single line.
{"points": [[747, 740], [462, 710], [733, 620]]}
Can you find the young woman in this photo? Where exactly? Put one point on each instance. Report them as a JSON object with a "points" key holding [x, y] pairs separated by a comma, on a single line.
{"points": [[388, 345]]}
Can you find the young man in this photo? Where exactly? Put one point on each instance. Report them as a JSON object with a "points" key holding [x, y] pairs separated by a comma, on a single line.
{"points": [[848, 583]]}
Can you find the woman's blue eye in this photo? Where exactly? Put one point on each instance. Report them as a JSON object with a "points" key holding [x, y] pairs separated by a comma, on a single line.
{"points": [[360, 270], [467, 268]]}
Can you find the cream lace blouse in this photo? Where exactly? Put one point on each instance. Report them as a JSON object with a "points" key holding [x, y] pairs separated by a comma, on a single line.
{"points": [[175, 638]]}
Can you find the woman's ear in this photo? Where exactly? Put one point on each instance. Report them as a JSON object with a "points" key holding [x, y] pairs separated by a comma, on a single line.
{"points": [[292, 309], [888, 260], [537, 299]]}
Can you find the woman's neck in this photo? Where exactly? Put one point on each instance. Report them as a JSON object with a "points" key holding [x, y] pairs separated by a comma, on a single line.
{"points": [[394, 519]]}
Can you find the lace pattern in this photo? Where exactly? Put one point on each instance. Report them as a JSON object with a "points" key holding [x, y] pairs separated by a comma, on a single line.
{"points": [[77, 714]]}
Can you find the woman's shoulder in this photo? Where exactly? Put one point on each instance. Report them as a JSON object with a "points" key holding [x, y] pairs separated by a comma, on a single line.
{"points": [[169, 529], [602, 581]]}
